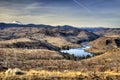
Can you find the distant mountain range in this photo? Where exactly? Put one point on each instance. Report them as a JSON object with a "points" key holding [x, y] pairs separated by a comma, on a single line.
{"points": [[96, 30], [19, 24], [16, 24]]}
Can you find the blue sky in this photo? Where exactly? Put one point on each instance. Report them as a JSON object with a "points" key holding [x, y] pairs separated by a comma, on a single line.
{"points": [[79, 13]]}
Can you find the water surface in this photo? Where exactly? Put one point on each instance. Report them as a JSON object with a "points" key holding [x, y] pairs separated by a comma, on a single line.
{"points": [[78, 51]]}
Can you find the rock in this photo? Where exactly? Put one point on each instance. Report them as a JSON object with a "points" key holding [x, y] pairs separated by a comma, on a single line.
{"points": [[15, 71]]}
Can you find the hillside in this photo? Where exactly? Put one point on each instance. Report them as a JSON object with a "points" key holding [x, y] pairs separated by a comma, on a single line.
{"points": [[86, 36], [26, 43], [24, 58], [105, 43], [102, 31], [109, 61], [38, 48], [68, 37], [60, 42]]}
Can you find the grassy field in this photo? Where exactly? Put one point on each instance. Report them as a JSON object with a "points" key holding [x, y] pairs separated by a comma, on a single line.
{"points": [[57, 75]]}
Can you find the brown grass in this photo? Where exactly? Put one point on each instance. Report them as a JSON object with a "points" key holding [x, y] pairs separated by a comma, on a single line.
{"points": [[57, 75], [15, 41], [60, 41], [106, 61]]}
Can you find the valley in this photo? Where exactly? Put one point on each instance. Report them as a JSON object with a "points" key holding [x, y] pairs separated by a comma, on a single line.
{"points": [[37, 52]]}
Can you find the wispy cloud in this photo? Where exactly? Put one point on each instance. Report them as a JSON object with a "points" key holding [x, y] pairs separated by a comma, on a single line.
{"points": [[83, 6], [60, 12]]}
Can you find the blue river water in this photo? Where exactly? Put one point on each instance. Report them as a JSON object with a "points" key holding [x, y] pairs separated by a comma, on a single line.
{"points": [[78, 51]]}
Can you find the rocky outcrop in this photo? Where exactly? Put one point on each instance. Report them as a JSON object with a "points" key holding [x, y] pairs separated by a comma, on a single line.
{"points": [[15, 71]]}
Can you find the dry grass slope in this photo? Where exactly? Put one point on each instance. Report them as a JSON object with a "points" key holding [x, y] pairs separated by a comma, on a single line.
{"points": [[15, 41], [60, 42], [104, 44], [109, 61], [57, 75]]}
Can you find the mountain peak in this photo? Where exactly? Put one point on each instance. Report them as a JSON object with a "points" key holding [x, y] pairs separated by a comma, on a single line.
{"points": [[16, 22]]}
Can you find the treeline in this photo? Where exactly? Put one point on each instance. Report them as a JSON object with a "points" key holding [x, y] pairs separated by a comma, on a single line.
{"points": [[76, 58], [73, 57]]}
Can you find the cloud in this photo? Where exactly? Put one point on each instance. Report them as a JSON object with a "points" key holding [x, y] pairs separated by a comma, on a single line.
{"points": [[61, 12], [83, 6]]}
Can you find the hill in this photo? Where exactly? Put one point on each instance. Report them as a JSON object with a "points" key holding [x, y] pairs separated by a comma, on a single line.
{"points": [[109, 61], [69, 37], [105, 43], [102, 31], [27, 44]]}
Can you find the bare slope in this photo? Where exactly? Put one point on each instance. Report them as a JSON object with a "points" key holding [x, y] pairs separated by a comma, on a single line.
{"points": [[27, 43], [109, 61], [70, 37], [27, 58], [104, 43]]}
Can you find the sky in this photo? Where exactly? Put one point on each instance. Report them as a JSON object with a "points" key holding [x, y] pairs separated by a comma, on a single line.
{"points": [[78, 13]]}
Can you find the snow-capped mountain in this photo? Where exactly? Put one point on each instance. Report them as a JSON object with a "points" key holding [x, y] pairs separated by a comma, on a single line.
{"points": [[16, 22]]}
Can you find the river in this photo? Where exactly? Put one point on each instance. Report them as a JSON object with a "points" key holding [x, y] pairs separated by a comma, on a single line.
{"points": [[78, 51]]}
